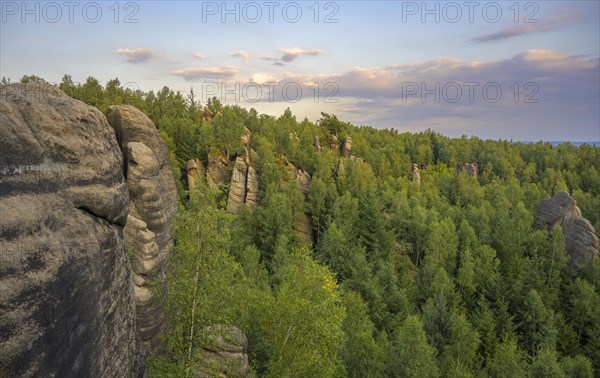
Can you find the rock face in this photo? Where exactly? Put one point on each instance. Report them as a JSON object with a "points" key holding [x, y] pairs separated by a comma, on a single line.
{"points": [[243, 188], [317, 144], [470, 169], [192, 169], [347, 147], [224, 354], [215, 171], [416, 174], [66, 300], [237, 188], [244, 183], [303, 224], [153, 193], [333, 145], [580, 236]]}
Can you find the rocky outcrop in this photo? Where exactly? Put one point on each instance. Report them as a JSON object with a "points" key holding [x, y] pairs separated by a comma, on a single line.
{"points": [[302, 223], [237, 188], [347, 147], [192, 169], [317, 144], [246, 137], [251, 187], [333, 144], [224, 353], [470, 169], [294, 138], [416, 174], [216, 171], [66, 301], [580, 236], [149, 227], [243, 188]]}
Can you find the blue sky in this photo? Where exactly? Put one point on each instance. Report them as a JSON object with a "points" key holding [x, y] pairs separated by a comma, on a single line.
{"points": [[502, 70]]}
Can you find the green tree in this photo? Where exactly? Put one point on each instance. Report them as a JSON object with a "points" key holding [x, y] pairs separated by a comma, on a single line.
{"points": [[508, 361], [303, 323], [411, 355], [578, 367], [363, 356], [545, 365]]}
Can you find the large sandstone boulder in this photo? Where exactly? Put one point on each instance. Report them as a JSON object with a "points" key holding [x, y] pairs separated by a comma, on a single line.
{"points": [[224, 353], [66, 301], [416, 174], [149, 227], [580, 236]]}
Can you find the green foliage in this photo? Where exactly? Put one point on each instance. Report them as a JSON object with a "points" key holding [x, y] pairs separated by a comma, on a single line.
{"points": [[363, 355], [411, 355], [302, 324]]}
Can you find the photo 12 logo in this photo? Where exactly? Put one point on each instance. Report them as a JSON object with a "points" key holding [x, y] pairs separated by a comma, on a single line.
{"points": [[69, 11], [472, 11], [269, 11], [253, 92], [469, 91]]}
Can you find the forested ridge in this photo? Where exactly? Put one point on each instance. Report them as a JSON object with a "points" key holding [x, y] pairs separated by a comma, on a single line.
{"points": [[448, 277]]}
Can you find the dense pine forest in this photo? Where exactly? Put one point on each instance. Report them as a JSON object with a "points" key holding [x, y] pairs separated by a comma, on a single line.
{"points": [[447, 275]]}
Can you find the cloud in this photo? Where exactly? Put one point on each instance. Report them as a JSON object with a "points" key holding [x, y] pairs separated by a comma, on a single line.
{"points": [[136, 56], [564, 89], [269, 58], [241, 54], [198, 55], [529, 28], [199, 73], [290, 54], [263, 77]]}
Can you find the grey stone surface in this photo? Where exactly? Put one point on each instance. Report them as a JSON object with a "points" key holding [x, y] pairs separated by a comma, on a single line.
{"points": [[224, 353], [66, 300], [152, 211]]}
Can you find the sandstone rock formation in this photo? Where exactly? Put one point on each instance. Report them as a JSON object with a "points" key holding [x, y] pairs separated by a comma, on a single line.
{"points": [[237, 188], [216, 170], [244, 183], [192, 168], [224, 354], [416, 174], [316, 144], [470, 169], [243, 188], [347, 147], [580, 236], [246, 137], [251, 187], [66, 300], [294, 138], [303, 223], [333, 145], [152, 210]]}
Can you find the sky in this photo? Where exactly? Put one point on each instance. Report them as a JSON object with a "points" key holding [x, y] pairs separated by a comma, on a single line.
{"points": [[515, 70]]}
